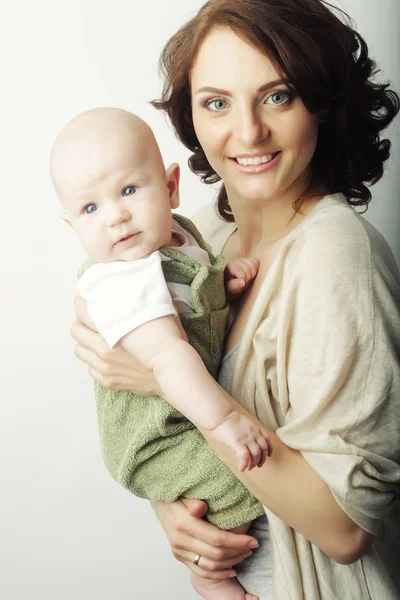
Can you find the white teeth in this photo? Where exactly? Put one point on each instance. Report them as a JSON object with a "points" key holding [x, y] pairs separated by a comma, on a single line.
{"points": [[257, 160]]}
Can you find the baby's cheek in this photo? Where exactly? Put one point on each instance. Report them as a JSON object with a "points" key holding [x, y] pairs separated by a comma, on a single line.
{"points": [[95, 246]]}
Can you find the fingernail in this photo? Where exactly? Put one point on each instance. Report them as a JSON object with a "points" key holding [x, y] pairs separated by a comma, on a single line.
{"points": [[253, 545], [232, 574]]}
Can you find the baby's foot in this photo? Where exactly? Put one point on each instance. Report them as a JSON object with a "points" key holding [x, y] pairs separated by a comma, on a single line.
{"points": [[228, 589]]}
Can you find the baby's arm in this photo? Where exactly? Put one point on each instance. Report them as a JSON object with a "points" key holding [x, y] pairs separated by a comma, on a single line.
{"points": [[189, 387]]}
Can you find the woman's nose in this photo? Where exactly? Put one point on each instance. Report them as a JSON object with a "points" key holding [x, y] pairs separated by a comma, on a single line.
{"points": [[250, 127]]}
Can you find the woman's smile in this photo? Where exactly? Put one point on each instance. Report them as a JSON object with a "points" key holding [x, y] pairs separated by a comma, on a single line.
{"points": [[252, 164]]}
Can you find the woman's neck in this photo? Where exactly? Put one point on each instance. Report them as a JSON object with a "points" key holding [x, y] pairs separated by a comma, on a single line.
{"points": [[259, 227]]}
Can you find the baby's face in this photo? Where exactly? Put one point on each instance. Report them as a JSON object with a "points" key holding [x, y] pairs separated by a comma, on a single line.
{"points": [[117, 196]]}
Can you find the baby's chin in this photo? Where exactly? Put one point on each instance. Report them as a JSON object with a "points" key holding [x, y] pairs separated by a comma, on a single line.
{"points": [[114, 258], [127, 255]]}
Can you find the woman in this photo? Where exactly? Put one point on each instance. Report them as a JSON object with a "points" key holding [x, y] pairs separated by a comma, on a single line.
{"points": [[275, 99]]}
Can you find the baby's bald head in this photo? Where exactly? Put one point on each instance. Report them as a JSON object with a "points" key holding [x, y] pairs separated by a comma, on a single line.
{"points": [[96, 142], [109, 175]]}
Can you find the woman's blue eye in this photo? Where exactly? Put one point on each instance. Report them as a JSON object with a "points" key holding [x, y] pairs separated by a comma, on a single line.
{"points": [[280, 97], [129, 191], [90, 208], [217, 105]]}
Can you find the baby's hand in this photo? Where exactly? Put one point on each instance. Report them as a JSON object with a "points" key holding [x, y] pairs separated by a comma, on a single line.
{"points": [[246, 438], [239, 274]]}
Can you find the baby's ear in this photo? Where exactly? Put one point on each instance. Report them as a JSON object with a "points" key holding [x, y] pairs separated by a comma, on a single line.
{"points": [[172, 182], [64, 216]]}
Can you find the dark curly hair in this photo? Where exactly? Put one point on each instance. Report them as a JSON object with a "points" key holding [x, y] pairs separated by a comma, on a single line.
{"points": [[327, 63]]}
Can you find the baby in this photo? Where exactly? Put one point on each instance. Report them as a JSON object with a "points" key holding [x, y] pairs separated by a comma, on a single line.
{"points": [[109, 175]]}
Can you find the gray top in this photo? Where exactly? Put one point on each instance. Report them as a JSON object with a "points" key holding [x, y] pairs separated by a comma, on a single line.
{"points": [[226, 369], [254, 573]]}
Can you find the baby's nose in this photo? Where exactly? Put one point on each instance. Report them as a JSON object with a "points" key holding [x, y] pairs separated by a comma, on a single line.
{"points": [[117, 213]]}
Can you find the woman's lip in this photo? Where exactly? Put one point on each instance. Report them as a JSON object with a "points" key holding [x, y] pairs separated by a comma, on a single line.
{"points": [[254, 155], [255, 169]]}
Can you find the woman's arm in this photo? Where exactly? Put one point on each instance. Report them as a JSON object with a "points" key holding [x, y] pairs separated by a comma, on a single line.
{"points": [[286, 484], [294, 492]]}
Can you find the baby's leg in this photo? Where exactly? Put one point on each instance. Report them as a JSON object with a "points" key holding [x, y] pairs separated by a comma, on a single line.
{"points": [[229, 589]]}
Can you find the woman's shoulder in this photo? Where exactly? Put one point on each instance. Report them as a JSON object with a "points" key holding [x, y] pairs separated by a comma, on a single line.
{"points": [[215, 230], [335, 234]]}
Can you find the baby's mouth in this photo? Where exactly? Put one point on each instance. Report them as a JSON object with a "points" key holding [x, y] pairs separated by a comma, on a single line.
{"points": [[126, 238]]}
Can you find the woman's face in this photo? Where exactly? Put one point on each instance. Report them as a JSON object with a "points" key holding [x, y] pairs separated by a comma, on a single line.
{"points": [[257, 135]]}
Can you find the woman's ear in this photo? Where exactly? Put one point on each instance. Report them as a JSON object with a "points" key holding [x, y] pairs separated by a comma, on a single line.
{"points": [[323, 115], [172, 182]]}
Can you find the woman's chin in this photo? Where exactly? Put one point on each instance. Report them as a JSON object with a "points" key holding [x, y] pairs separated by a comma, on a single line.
{"points": [[258, 196]]}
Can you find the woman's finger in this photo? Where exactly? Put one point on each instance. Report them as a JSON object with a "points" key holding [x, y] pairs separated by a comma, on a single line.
{"points": [[87, 337], [220, 543], [215, 559], [82, 312], [90, 358], [107, 382], [95, 374], [209, 569], [197, 508]]}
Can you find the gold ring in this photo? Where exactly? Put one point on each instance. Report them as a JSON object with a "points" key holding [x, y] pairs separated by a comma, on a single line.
{"points": [[196, 559]]}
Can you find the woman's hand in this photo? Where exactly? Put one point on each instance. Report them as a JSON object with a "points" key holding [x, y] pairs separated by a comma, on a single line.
{"points": [[189, 535], [114, 368]]}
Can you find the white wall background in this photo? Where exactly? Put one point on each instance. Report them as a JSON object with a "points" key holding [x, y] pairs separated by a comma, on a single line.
{"points": [[67, 531]]}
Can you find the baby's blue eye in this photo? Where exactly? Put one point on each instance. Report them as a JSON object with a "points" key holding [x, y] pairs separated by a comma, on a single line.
{"points": [[90, 208], [129, 191]]}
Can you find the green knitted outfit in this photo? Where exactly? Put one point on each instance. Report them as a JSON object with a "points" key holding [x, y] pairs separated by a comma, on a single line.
{"points": [[148, 446]]}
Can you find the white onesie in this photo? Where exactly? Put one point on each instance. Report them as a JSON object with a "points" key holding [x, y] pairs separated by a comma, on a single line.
{"points": [[121, 296]]}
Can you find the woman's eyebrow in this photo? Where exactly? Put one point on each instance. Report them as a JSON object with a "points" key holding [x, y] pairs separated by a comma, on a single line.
{"points": [[263, 88]]}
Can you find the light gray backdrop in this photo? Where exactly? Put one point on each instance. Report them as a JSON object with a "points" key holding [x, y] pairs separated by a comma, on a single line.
{"points": [[67, 530]]}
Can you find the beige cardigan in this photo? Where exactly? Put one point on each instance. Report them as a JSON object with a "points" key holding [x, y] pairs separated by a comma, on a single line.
{"points": [[319, 364]]}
